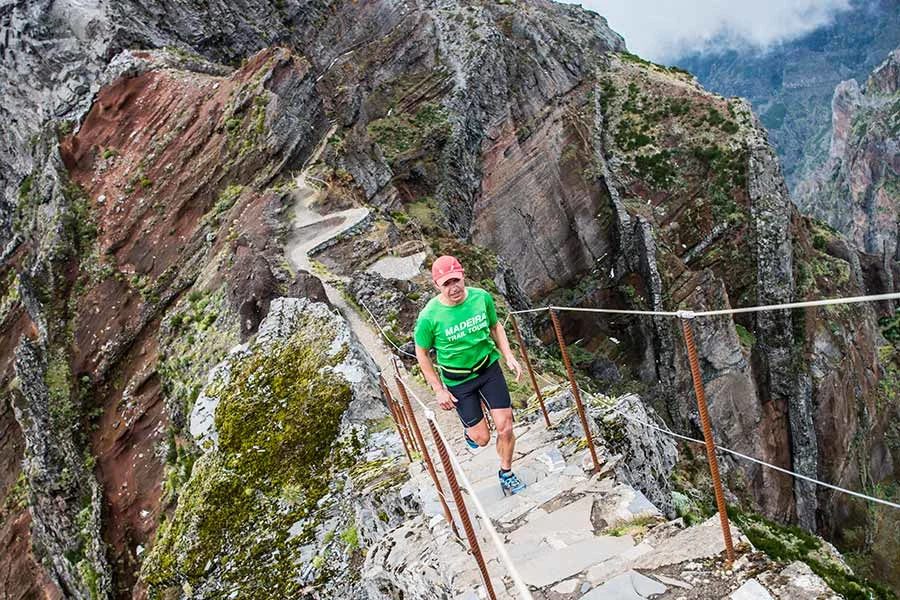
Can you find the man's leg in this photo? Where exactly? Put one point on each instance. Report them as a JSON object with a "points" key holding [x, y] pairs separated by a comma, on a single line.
{"points": [[468, 407], [496, 396], [506, 439], [479, 433]]}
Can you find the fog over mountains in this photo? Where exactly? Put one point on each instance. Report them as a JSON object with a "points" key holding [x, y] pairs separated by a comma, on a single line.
{"points": [[791, 84]]}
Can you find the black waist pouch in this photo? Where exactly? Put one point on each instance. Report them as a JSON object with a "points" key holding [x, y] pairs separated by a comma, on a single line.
{"points": [[460, 373]]}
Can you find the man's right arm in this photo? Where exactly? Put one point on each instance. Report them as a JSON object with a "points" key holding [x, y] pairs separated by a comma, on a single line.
{"points": [[444, 397]]}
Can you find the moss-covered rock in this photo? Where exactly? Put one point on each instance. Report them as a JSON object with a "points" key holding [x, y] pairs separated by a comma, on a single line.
{"points": [[253, 501]]}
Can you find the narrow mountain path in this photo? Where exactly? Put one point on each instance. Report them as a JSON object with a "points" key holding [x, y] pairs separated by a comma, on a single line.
{"points": [[571, 534]]}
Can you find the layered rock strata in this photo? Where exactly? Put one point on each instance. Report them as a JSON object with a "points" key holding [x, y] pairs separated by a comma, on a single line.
{"points": [[521, 137]]}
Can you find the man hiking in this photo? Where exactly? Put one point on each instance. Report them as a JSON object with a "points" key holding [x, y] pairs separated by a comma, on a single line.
{"points": [[461, 324]]}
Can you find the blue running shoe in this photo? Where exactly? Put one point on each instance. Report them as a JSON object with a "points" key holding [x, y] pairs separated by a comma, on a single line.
{"points": [[510, 484], [471, 442]]}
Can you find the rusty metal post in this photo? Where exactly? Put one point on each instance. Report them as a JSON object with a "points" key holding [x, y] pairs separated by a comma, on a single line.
{"points": [[403, 419], [534, 385], [396, 417], [707, 435], [486, 410], [575, 392], [404, 423], [414, 445], [461, 507], [425, 455]]}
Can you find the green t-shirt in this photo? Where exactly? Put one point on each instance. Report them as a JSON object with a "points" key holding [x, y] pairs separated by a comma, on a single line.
{"points": [[460, 334]]}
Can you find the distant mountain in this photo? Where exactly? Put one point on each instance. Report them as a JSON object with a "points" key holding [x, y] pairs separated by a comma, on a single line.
{"points": [[791, 85], [857, 190]]}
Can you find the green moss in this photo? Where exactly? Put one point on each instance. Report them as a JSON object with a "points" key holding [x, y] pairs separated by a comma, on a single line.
{"points": [[890, 327], [17, 497], [350, 536], [278, 418], [656, 168], [25, 187], [790, 543], [426, 213], [223, 204], [197, 336], [636, 527], [748, 340], [63, 412], [401, 133]]}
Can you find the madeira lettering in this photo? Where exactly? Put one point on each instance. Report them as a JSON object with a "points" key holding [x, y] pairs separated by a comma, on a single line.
{"points": [[466, 327]]}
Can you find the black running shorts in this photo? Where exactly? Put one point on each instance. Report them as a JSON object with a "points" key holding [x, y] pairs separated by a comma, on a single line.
{"points": [[490, 386]]}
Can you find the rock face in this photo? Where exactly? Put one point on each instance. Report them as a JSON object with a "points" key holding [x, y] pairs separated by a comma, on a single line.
{"points": [[268, 495], [110, 238], [857, 190], [148, 242], [790, 85]]}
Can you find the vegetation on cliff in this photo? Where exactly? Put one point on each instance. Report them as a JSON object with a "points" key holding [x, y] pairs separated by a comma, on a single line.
{"points": [[250, 503]]}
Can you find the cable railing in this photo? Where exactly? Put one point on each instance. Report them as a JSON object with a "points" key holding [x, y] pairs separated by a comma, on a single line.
{"points": [[685, 316], [452, 468]]}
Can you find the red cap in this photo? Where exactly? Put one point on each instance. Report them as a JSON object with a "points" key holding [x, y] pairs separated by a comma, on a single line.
{"points": [[445, 268]]}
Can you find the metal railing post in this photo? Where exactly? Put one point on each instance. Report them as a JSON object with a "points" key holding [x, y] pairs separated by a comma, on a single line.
{"points": [[395, 416], [534, 385], [461, 507], [707, 435], [575, 392], [415, 426]]}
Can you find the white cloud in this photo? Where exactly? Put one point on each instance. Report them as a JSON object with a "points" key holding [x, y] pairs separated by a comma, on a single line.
{"points": [[661, 30]]}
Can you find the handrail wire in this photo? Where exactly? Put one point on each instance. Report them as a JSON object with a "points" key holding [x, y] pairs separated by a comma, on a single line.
{"points": [[383, 332], [763, 463], [687, 314], [752, 459], [479, 507]]}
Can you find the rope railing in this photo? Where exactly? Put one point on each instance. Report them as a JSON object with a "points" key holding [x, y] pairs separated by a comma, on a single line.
{"points": [[690, 314], [712, 448], [665, 430], [756, 460], [453, 467]]}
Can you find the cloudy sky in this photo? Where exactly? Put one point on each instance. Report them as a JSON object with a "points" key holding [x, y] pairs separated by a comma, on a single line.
{"points": [[661, 30]]}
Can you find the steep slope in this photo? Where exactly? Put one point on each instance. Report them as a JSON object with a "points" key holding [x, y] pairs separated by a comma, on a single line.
{"points": [[790, 85], [857, 193], [148, 240]]}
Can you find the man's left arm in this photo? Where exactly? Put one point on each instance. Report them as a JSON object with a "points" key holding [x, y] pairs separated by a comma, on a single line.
{"points": [[499, 336]]}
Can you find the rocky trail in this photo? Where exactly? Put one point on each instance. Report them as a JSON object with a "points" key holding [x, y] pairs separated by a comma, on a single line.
{"points": [[570, 533]]}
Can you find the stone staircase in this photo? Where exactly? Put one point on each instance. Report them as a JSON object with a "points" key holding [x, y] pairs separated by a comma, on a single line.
{"points": [[571, 534], [576, 535]]}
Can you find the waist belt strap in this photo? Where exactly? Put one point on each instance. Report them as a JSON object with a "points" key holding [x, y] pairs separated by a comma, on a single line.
{"points": [[457, 373]]}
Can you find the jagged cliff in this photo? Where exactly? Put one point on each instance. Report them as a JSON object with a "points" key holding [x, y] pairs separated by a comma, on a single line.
{"points": [[145, 218], [790, 83], [857, 190]]}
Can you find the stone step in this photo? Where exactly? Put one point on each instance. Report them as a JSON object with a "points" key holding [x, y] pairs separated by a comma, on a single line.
{"points": [[630, 585]]}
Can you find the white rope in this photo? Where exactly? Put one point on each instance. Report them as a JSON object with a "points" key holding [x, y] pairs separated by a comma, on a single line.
{"points": [[806, 304], [529, 310], [689, 314], [383, 333], [479, 508], [652, 313], [756, 460]]}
